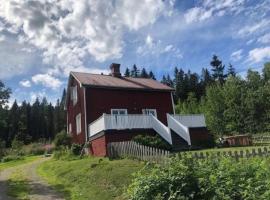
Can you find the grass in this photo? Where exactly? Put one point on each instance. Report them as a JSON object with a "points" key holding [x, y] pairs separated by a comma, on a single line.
{"points": [[231, 149], [90, 178], [18, 186], [15, 163]]}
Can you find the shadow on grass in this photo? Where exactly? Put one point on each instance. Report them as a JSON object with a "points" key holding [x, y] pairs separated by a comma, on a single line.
{"points": [[22, 189]]}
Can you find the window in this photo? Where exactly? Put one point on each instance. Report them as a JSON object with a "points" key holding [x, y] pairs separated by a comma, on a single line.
{"points": [[150, 112], [78, 124], [74, 95], [118, 111], [70, 128]]}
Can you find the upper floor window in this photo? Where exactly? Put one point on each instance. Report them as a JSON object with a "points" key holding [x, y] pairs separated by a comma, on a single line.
{"points": [[78, 123], [150, 112], [74, 94], [119, 111]]}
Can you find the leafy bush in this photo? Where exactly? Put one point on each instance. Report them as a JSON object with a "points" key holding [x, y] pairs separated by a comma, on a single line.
{"points": [[62, 139], [191, 179], [2, 148], [11, 158], [76, 149], [152, 141], [64, 153]]}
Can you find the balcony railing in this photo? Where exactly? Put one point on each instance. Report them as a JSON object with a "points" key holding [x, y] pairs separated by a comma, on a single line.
{"points": [[130, 121]]}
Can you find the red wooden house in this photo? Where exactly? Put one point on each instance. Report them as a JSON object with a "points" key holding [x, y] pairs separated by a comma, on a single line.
{"points": [[111, 108]]}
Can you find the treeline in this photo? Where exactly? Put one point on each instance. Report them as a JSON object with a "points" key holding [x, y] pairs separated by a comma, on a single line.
{"points": [[31, 122], [135, 72]]}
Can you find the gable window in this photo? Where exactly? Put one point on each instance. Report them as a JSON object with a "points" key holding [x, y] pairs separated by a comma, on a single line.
{"points": [[74, 95], [78, 124], [119, 111], [150, 112], [70, 128]]}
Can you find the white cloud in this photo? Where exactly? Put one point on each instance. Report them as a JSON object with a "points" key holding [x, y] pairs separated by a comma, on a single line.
{"points": [[259, 54], [25, 83], [2, 38], [35, 95], [69, 31], [210, 8], [47, 80], [237, 55], [255, 28], [264, 39], [153, 47]]}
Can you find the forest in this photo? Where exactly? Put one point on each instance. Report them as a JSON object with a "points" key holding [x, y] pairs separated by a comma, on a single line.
{"points": [[232, 104]]}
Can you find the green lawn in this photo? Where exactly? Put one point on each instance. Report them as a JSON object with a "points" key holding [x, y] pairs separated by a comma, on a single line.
{"points": [[15, 163], [18, 185], [231, 149], [90, 178]]}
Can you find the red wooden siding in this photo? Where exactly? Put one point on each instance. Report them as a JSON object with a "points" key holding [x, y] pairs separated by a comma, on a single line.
{"points": [[74, 110], [101, 101]]}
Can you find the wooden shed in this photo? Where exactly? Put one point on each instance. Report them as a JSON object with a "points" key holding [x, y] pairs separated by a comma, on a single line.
{"points": [[239, 140]]}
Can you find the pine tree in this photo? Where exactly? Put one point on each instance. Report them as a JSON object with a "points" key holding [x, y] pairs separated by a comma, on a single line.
{"points": [[127, 72], [151, 75], [231, 71], [134, 71], [144, 73], [218, 69]]}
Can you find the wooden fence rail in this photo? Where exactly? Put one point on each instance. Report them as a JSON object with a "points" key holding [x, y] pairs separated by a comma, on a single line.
{"points": [[237, 154], [132, 149]]}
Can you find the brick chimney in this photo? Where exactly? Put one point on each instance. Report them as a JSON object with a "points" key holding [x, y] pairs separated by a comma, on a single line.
{"points": [[115, 70]]}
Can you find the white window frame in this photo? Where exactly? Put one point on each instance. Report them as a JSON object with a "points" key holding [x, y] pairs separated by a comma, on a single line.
{"points": [[119, 110], [78, 123], [70, 128], [74, 95], [148, 112]]}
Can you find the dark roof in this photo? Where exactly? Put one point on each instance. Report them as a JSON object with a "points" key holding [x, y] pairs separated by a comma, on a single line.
{"points": [[108, 81]]}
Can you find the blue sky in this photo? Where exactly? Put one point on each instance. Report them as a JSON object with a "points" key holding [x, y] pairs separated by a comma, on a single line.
{"points": [[42, 41]]}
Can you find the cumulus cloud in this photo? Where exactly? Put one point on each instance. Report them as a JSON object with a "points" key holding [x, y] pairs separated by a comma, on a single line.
{"points": [[237, 55], [70, 31], [259, 54], [47, 80], [210, 8], [264, 39], [157, 47], [25, 83]]}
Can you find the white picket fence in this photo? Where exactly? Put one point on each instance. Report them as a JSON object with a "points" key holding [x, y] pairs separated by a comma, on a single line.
{"points": [[130, 149]]}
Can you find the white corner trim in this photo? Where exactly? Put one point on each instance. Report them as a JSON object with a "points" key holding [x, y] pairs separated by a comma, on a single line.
{"points": [[85, 121], [76, 79], [173, 103]]}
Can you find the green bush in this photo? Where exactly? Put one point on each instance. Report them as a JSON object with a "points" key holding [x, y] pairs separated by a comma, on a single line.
{"points": [[11, 158], [189, 179], [64, 153], [152, 141], [76, 149], [62, 139], [2, 148]]}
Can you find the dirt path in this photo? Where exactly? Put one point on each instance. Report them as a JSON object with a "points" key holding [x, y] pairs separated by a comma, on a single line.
{"points": [[39, 189]]}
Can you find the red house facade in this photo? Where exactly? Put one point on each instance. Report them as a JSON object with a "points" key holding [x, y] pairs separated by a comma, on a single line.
{"points": [[112, 108]]}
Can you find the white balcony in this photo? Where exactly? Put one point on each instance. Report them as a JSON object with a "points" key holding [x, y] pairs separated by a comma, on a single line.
{"points": [[130, 121]]}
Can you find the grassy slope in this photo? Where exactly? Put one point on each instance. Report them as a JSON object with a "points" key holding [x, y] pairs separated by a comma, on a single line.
{"points": [[15, 163], [90, 178], [231, 149], [18, 185]]}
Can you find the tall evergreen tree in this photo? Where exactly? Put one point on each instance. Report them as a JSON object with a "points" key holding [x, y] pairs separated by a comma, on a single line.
{"points": [[231, 70], [134, 72], [144, 73], [218, 69], [127, 72], [151, 75]]}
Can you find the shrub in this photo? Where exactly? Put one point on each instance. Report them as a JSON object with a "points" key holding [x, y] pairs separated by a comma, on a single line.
{"points": [[11, 158], [191, 179], [64, 153], [152, 141], [62, 139], [76, 149], [2, 148]]}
